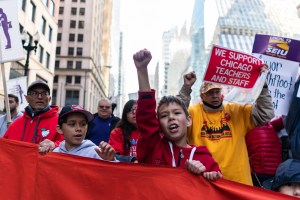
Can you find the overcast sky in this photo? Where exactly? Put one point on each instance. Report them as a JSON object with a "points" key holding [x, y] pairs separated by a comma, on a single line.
{"points": [[143, 23]]}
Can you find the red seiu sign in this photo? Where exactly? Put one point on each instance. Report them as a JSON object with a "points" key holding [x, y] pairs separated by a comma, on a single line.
{"points": [[233, 68]]}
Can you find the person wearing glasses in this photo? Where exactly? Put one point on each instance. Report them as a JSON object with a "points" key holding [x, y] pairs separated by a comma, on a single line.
{"points": [[125, 136], [104, 122], [38, 124]]}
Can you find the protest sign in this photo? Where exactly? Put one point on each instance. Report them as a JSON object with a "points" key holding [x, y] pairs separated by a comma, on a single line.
{"points": [[282, 55], [10, 39], [18, 87], [232, 68]]}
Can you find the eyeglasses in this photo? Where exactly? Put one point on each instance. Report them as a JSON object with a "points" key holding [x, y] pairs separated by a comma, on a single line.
{"points": [[132, 110], [104, 107], [37, 94]]}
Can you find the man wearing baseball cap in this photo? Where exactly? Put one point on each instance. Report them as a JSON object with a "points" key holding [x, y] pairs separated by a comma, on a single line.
{"points": [[222, 127], [39, 120], [286, 179]]}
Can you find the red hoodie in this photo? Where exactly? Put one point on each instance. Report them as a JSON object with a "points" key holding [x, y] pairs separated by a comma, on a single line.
{"points": [[152, 148], [36, 130]]}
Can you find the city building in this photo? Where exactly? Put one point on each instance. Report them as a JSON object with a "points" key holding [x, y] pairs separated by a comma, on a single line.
{"points": [[82, 64]]}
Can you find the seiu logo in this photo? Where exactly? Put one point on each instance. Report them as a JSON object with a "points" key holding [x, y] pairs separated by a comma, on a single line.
{"points": [[279, 52]]}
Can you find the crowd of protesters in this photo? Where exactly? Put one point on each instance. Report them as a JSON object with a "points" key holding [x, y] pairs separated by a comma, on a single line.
{"points": [[241, 143]]}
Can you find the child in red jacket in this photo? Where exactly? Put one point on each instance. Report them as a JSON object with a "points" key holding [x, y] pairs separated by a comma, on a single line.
{"points": [[163, 139]]}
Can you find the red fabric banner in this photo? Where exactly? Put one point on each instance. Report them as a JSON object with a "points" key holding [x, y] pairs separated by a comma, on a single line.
{"points": [[27, 175], [233, 68]]}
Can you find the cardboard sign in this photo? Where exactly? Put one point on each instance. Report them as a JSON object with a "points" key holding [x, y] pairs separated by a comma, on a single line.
{"points": [[232, 68]]}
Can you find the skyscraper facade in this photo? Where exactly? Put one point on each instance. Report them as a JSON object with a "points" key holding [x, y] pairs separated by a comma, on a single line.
{"points": [[82, 63]]}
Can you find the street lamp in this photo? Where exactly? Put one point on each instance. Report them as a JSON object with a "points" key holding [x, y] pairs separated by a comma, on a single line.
{"points": [[28, 47]]}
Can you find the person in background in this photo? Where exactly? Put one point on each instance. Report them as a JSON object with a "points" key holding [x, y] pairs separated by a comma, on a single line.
{"points": [[73, 124], [13, 107], [163, 139], [286, 179], [103, 123], [222, 127], [264, 150], [293, 122], [38, 124], [125, 136]]}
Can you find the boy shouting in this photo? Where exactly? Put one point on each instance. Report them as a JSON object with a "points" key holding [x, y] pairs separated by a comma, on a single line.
{"points": [[163, 138]]}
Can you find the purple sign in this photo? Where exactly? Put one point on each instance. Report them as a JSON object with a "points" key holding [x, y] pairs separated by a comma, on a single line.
{"points": [[275, 46]]}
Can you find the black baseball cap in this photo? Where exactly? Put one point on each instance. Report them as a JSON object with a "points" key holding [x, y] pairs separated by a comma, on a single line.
{"points": [[38, 83], [75, 109]]}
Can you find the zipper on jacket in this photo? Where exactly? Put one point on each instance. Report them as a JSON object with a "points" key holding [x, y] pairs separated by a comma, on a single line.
{"points": [[180, 156]]}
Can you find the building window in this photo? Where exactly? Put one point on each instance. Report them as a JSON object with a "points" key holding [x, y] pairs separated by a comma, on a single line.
{"points": [[57, 63], [78, 64], [60, 23], [43, 25], [54, 97], [72, 97], [72, 24], [32, 11], [22, 4], [57, 50], [47, 60], [79, 51], [71, 51], [68, 79], [70, 64], [49, 33], [71, 37], [52, 7], [80, 38], [81, 11], [77, 79], [74, 0], [73, 11], [55, 79], [46, 2], [82, 1], [61, 10], [81, 24], [58, 36], [41, 53]]}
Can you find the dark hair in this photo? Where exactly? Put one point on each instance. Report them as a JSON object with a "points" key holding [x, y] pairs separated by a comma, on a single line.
{"points": [[173, 99], [14, 96], [125, 125]]}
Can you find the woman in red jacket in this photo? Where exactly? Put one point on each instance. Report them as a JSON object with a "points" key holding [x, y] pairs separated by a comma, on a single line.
{"points": [[125, 136]]}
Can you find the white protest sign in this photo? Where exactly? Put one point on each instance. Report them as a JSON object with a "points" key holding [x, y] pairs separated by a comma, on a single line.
{"points": [[280, 81], [18, 87], [11, 48]]}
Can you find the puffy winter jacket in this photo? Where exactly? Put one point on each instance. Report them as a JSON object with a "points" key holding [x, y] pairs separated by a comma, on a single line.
{"points": [[264, 148]]}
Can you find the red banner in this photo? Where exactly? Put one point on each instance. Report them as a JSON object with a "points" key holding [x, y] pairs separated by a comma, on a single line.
{"points": [[27, 175], [233, 68]]}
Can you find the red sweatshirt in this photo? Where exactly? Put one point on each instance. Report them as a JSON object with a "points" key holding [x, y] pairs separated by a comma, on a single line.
{"points": [[154, 149], [36, 130], [116, 140]]}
